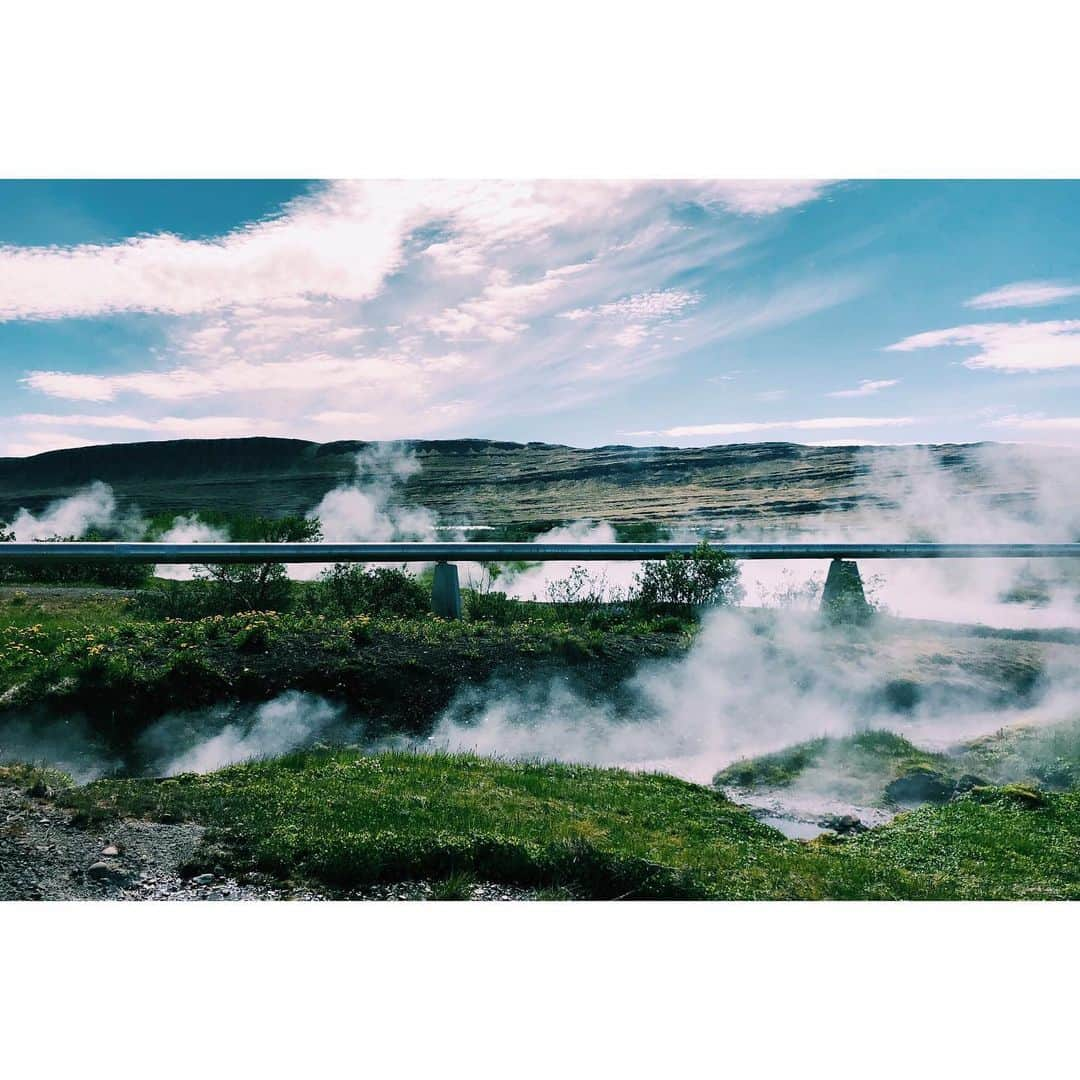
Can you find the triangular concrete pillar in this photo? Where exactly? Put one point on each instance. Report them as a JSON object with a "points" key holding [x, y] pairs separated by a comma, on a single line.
{"points": [[843, 599]]}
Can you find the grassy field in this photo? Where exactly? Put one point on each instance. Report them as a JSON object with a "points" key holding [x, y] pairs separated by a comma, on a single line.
{"points": [[344, 819]]}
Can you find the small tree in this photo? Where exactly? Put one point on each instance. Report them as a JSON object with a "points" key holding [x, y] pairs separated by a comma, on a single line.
{"points": [[705, 576], [261, 586]]}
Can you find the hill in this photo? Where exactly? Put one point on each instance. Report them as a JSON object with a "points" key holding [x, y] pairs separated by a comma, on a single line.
{"points": [[504, 483]]}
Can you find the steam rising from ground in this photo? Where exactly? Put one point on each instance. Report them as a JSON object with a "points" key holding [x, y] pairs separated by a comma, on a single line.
{"points": [[92, 507], [533, 582], [748, 686], [188, 529], [370, 508], [197, 741], [986, 494], [205, 741], [751, 684]]}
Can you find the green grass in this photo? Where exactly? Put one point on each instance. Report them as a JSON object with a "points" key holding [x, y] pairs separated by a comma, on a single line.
{"points": [[1048, 756], [866, 755], [345, 819]]}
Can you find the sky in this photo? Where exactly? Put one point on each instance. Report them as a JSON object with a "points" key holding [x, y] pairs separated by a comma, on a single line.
{"points": [[580, 312]]}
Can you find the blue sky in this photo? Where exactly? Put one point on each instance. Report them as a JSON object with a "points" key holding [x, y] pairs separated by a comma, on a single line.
{"points": [[644, 312]]}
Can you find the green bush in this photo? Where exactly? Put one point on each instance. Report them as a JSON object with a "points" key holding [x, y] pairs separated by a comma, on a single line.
{"points": [[493, 607], [177, 600], [706, 576], [578, 596], [347, 590]]}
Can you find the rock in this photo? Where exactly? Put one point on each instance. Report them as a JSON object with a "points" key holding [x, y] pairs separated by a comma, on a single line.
{"points": [[110, 849], [204, 879], [843, 824], [921, 786], [105, 872]]}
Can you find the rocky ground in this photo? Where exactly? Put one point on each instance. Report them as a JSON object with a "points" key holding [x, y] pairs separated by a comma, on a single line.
{"points": [[46, 854]]}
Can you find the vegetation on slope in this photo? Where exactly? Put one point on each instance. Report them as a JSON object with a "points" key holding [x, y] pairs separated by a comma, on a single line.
{"points": [[889, 769], [345, 819], [868, 755]]}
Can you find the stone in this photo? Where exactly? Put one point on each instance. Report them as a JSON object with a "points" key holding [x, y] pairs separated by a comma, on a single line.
{"points": [[107, 873], [204, 879], [921, 786], [843, 824], [110, 849]]}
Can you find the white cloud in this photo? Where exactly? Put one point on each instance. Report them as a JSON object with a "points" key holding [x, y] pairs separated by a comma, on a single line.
{"points": [[653, 305], [865, 388], [233, 376], [497, 313], [28, 443], [340, 242], [1039, 423], [639, 315], [409, 309], [766, 196], [1023, 346], [193, 427], [749, 427], [1024, 294]]}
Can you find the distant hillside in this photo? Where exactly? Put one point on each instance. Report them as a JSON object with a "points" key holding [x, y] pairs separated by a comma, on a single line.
{"points": [[478, 481]]}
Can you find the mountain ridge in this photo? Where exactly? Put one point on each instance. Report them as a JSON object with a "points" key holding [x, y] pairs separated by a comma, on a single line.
{"points": [[491, 481]]}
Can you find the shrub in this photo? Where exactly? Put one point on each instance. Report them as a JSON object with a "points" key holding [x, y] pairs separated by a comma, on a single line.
{"points": [[492, 607], [706, 576], [262, 586], [186, 600], [356, 590], [578, 595]]}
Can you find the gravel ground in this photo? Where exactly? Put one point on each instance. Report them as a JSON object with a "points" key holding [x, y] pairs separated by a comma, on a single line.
{"points": [[44, 856]]}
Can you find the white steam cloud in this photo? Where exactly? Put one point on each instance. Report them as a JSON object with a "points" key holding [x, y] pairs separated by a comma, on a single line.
{"points": [[274, 728], [91, 507], [982, 494], [188, 529], [370, 508]]}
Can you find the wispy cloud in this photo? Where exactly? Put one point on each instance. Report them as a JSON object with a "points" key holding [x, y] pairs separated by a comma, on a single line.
{"points": [[866, 388], [189, 427], [645, 306], [440, 302], [1039, 422], [341, 242], [1024, 294], [750, 427], [1023, 346]]}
